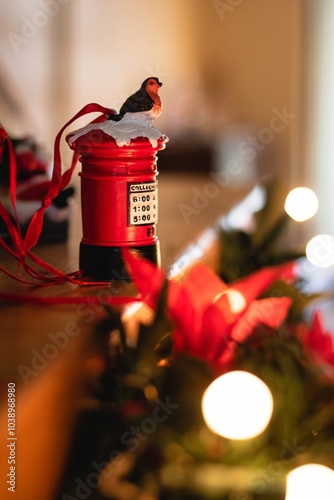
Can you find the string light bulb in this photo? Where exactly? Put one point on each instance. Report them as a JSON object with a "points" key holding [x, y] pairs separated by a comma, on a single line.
{"points": [[236, 300], [310, 482], [237, 405], [301, 204], [320, 250]]}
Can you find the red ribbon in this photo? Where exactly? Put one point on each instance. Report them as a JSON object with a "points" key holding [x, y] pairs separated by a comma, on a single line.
{"points": [[44, 274], [58, 181], [91, 300]]}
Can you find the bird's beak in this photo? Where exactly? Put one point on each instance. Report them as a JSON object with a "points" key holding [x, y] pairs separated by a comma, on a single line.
{"points": [[160, 84]]}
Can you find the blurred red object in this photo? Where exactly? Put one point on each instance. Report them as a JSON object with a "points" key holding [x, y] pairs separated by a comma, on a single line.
{"points": [[209, 316]]}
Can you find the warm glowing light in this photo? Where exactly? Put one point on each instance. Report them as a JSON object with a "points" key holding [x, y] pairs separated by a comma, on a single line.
{"points": [[320, 250], [301, 204], [237, 405], [235, 299], [310, 482]]}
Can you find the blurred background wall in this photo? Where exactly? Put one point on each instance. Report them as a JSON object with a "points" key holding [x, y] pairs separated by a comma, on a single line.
{"points": [[239, 75], [318, 85]]}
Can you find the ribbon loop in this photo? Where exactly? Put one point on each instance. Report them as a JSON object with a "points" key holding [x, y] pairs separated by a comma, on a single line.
{"points": [[47, 274]]}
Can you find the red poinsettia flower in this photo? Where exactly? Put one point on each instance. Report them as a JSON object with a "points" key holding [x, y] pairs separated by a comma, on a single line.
{"points": [[210, 317], [226, 315], [319, 343]]}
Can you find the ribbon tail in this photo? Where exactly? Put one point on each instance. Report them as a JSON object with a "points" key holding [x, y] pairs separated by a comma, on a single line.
{"points": [[58, 180]]}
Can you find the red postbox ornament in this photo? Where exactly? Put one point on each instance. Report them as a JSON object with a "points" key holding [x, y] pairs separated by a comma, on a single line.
{"points": [[119, 189]]}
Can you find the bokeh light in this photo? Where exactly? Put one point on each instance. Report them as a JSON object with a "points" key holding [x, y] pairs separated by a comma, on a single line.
{"points": [[320, 250], [301, 204], [310, 482], [236, 300], [237, 405]]}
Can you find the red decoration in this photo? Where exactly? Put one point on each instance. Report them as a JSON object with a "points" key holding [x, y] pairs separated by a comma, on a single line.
{"points": [[206, 323], [318, 343], [21, 250], [111, 176]]}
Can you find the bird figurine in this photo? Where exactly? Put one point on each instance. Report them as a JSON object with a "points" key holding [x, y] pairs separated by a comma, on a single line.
{"points": [[145, 104]]}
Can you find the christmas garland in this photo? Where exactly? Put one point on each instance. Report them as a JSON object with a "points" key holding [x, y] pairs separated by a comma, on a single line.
{"points": [[148, 437]]}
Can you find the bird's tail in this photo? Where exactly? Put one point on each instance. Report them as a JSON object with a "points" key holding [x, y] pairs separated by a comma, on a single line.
{"points": [[115, 117]]}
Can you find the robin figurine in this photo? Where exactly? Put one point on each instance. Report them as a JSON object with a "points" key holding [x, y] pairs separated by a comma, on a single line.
{"points": [[145, 101]]}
